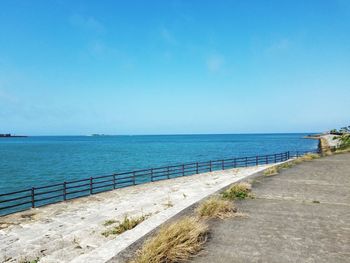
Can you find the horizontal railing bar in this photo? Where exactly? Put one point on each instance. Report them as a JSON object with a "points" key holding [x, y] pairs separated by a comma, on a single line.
{"points": [[160, 172], [47, 186], [123, 178], [100, 182], [14, 199], [166, 174], [78, 191], [77, 186], [11, 206], [161, 178], [117, 174], [141, 175], [78, 181], [17, 192], [194, 169], [101, 186], [14, 211], [48, 198], [102, 176], [48, 192], [124, 182]]}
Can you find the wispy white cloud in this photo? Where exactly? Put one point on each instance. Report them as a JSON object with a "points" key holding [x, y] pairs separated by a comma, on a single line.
{"points": [[215, 62], [88, 23]]}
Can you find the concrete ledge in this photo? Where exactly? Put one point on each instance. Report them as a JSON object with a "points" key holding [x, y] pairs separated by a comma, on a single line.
{"points": [[71, 231], [117, 250]]}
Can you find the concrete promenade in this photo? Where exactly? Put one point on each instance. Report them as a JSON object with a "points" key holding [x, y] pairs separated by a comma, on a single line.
{"points": [[71, 231], [299, 215]]}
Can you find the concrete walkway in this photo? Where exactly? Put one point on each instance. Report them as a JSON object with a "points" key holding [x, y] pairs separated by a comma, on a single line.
{"points": [[71, 231], [299, 215]]}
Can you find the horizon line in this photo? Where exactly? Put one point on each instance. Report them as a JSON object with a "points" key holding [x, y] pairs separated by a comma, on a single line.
{"points": [[164, 134]]}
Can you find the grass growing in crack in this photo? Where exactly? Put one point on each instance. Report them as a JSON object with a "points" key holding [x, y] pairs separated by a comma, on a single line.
{"points": [[286, 165], [271, 171], [176, 242], [110, 222], [216, 207], [238, 191], [275, 169], [30, 261], [125, 225], [308, 157]]}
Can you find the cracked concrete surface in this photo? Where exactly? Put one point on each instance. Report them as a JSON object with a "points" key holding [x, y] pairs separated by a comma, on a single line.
{"points": [[299, 215]]}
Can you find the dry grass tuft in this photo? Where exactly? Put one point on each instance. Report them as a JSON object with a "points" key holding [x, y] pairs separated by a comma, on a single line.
{"points": [[216, 207], [238, 191], [271, 171], [126, 224], [110, 222], [306, 157], [309, 157], [36, 260], [286, 165], [177, 242]]}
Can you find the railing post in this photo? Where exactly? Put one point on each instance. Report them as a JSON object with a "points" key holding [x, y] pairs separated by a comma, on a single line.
{"points": [[91, 185], [113, 181], [183, 170], [196, 167], [64, 191], [275, 158], [257, 160], [246, 161], [210, 169], [33, 197], [223, 165], [235, 163], [267, 159], [151, 174], [133, 178], [288, 155], [167, 172]]}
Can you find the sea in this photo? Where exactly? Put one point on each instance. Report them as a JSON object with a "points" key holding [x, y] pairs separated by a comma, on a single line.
{"points": [[43, 160]]}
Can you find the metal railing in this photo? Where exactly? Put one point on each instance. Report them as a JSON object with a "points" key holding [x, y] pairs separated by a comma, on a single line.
{"points": [[49, 194]]}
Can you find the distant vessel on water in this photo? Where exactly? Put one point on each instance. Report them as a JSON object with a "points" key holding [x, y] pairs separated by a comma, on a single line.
{"points": [[9, 135], [100, 135]]}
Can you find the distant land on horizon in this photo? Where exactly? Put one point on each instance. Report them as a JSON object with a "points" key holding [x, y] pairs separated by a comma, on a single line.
{"points": [[165, 134]]}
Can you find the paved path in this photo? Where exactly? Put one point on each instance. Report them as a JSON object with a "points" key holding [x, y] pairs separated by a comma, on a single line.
{"points": [[300, 215], [71, 231]]}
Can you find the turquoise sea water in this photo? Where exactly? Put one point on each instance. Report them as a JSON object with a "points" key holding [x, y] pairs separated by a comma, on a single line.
{"points": [[35, 161]]}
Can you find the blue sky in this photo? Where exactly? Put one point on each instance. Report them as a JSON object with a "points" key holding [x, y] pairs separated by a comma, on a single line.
{"points": [[170, 67]]}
